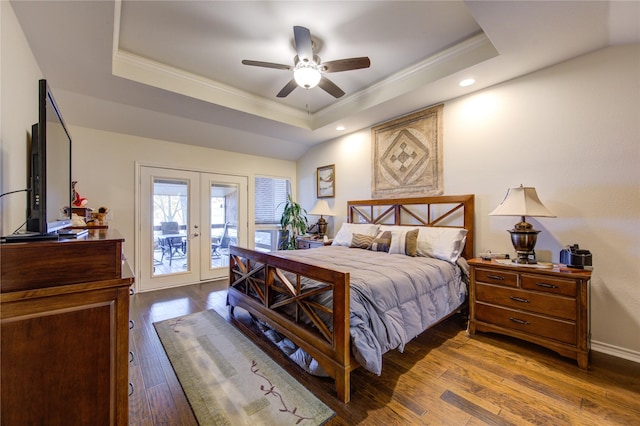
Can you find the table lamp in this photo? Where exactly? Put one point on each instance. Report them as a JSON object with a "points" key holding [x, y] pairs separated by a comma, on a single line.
{"points": [[522, 201], [321, 209]]}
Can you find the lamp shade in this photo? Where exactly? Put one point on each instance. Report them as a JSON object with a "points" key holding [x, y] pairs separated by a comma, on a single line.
{"points": [[321, 209], [521, 201]]}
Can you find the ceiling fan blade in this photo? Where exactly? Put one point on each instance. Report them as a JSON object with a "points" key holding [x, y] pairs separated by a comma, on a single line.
{"points": [[330, 87], [345, 64], [287, 89], [266, 65], [304, 47]]}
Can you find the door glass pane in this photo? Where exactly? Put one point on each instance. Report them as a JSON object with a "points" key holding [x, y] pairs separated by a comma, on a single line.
{"points": [[170, 226], [223, 221]]}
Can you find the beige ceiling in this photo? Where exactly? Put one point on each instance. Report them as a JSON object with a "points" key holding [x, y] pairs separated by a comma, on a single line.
{"points": [[172, 70]]}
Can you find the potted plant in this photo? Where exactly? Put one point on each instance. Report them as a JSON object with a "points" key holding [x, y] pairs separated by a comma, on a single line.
{"points": [[293, 223]]}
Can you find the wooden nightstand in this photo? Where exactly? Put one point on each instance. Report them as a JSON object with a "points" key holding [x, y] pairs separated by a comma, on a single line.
{"points": [[307, 243], [549, 307]]}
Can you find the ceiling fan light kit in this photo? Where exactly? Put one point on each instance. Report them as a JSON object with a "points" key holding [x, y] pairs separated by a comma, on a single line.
{"points": [[307, 74], [308, 70]]}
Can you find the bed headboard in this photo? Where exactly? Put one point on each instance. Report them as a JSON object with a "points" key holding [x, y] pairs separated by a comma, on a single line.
{"points": [[454, 211]]}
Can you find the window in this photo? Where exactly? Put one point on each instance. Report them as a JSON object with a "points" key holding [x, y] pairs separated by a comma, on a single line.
{"points": [[271, 194]]}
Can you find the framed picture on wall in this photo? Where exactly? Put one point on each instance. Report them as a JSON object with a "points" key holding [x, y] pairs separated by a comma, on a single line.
{"points": [[326, 181]]}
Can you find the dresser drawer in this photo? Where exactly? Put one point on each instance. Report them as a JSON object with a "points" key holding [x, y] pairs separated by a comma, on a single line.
{"points": [[497, 277], [554, 306], [563, 331], [548, 284]]}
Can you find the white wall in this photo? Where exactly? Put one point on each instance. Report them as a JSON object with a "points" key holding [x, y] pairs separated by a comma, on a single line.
{"points": [[104, 165], [18, 111], [573, 132]]}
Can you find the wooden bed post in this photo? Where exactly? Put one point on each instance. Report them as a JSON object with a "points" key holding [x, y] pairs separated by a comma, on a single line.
{"points": [[342, 337]]}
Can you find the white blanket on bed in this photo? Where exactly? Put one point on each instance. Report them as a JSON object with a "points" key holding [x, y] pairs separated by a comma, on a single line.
{"points": [[394, 297]]}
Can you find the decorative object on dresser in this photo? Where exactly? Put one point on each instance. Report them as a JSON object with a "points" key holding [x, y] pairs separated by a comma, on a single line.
{"points": [[522, 201], [65, 331], [326, 181], [290, 291], [546, 306], [406, 156], [575, 257], [321, 209]]}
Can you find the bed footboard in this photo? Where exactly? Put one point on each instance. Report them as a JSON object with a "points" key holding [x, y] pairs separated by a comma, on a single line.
{"points": [[265, 283]]}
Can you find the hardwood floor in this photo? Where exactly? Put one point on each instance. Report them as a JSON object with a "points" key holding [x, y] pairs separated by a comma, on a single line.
{"points": [[444, 377]]}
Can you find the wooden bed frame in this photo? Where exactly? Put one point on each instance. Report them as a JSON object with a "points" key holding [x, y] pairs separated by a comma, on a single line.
{"points": [[255, 278]]}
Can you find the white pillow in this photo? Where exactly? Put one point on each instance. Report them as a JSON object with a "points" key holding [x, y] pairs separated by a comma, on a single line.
{"points": [[398, 237], [441, 243], [345, 234]]}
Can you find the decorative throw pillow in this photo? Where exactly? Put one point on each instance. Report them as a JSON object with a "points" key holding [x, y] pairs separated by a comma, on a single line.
{"points": [[344, 235], [411, 243], [361, 241], [382, 242], [399, 235]]}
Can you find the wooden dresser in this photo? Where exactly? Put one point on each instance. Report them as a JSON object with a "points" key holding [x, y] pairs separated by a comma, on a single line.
{"points": [[65, 331], [549, 306]]}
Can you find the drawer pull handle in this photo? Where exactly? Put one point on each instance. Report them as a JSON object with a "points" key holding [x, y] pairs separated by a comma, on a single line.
{"points": [[545, 285], [495, 277], [519, 299], [519, 321]]}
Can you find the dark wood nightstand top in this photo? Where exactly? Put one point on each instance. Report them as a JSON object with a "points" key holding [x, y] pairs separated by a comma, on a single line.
{"points": [[553, 270]]}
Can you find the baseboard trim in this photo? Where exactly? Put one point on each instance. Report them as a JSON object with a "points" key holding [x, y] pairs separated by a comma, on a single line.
{"points": [[615, 351]]}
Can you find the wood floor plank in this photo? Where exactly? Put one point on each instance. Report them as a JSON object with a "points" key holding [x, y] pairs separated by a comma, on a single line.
{"points": [[138, 403], [163, 410], [474, 410], [152, 373]]}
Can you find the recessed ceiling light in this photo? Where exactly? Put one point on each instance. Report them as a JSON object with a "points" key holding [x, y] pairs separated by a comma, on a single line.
{"points": [[467, 82], [340, 128]]}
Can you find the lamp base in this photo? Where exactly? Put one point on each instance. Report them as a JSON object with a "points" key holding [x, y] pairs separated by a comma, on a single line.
{"points": [[523, 238], [322, 227], [525, 258]]}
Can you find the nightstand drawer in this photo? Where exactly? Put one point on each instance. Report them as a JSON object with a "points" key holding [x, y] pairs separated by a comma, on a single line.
{"points": [[303, 244], [497, 277], [549, 285], [307, 243], [563, 331], [554, 306]]}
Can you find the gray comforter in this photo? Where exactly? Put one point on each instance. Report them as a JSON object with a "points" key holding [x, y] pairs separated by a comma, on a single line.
{"points": [[394, 297]]}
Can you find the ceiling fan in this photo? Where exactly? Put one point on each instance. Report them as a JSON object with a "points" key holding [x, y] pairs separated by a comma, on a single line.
{"points": [[308, 70]]}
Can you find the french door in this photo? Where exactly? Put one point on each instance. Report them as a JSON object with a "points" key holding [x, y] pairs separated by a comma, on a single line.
{"points": [[187, 222]]}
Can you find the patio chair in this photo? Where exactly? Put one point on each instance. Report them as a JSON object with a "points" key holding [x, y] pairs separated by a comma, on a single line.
{"points": [[221, 243]]}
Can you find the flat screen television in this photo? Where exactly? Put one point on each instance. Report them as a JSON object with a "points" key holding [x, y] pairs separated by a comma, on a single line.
{"points": [[49, 206]]}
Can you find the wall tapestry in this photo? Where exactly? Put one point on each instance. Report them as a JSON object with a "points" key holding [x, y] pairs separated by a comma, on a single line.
{"points": [[407, 155]]}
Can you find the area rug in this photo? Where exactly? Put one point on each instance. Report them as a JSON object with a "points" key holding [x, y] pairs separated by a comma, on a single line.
{"points": [[228, 380]]}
